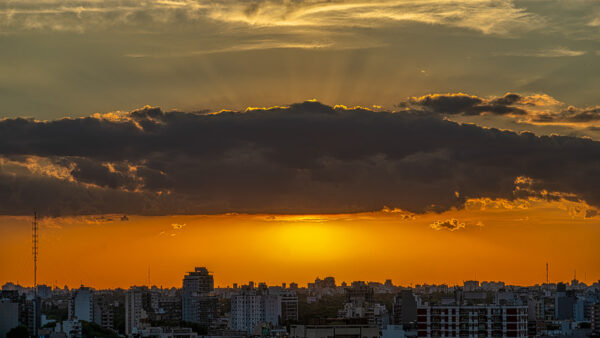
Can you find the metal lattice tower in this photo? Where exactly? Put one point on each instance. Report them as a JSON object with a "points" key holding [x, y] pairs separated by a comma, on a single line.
{"points": [[34, 249]]}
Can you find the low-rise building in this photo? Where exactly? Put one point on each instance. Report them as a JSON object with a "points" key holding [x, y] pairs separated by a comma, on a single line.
{"points": [[333, 331]]}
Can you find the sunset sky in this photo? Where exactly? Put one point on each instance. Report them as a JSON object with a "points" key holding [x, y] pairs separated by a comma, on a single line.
{"points": [[423, 141]]}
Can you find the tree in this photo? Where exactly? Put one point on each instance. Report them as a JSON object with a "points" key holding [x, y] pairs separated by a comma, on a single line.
{"points": [[18, 332], [92, 330]]}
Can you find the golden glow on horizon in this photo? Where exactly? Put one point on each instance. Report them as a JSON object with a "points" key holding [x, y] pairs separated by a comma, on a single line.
{"points": [[500, 240]]}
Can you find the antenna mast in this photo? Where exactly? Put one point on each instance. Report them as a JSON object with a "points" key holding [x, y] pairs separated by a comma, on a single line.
{"points": [[547, 279], [34, 249]]}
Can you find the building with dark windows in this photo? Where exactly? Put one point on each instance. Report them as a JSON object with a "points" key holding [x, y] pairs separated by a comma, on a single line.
{"points": [[133, 310], [289, 306], [198, 305], [404, 308], [334, 331], [472, 321], [595, 319], [359, 293]]}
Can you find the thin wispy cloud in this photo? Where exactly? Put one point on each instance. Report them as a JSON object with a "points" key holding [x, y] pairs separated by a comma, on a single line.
{"points": [[262, 45], [485, 16], [547, 53]]}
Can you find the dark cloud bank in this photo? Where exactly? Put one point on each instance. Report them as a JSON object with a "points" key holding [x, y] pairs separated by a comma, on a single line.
{"points": [[306, 158]]}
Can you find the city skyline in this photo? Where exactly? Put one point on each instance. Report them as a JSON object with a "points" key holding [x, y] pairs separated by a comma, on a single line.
{"points": [[299, 255], [324, 306]]}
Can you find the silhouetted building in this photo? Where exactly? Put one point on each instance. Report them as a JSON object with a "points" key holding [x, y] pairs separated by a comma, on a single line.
{"points": [[9, 316], [359, 293], [564, 302], [30, 314], [198, 305], [289, 307], [595, 319], [471, 285], [28, 309], [103, 313], [328, 282], [169, 308], [44, 291], [404, 308]]}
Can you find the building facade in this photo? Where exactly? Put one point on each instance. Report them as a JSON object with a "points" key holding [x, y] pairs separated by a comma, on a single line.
{"points": [[472, 321], [133, 310], [333, 331], [198, 305], [81, 304]]}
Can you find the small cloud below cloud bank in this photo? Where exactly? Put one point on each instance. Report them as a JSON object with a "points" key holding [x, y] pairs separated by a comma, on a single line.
{"points": [[177, 226], [449, 224]]}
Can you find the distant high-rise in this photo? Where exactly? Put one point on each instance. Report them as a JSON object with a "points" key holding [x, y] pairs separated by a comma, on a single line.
{"points": [[289, 306], [404, 308], [81, 305], [133, 310], [198, 305], [595, 319], [471, 285], [9, 316], [103, 313], [328, 282], [359, 294], [198, 282]]}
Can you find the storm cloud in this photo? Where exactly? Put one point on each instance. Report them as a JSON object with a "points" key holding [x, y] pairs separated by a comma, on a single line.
{"points": [[304, 158], [452, 104], [539, 109]]}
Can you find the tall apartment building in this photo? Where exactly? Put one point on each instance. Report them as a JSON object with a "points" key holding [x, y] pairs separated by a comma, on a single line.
{"points": [[29, 308], [198, 305], [289, 306], [246, 310], [133, 310], [404, 308], [595, 318], [9, 316], [472, 321], [81, 304], [103, 313]]}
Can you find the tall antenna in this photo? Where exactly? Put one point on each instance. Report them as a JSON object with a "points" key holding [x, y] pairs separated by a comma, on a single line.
{"points": [[34, 249], [547, 275]]}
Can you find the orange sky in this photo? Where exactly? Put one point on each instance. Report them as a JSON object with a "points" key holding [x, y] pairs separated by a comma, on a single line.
{"points": [[500, 241]]}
